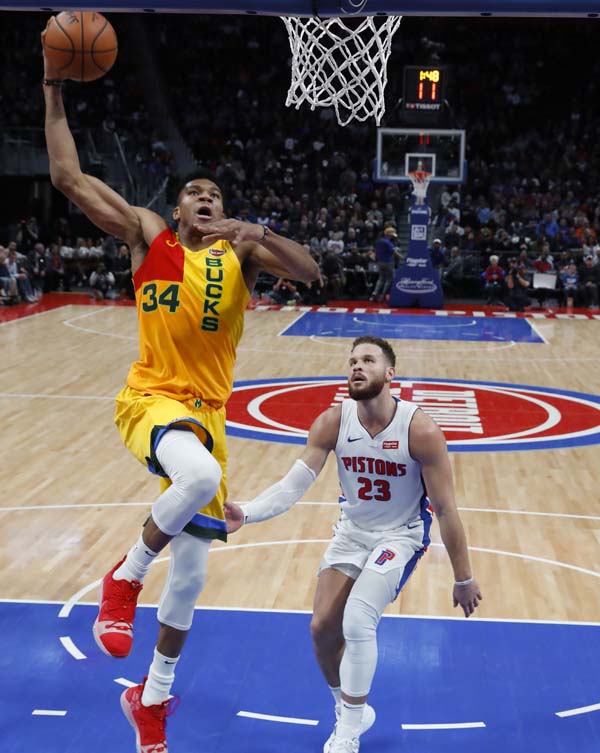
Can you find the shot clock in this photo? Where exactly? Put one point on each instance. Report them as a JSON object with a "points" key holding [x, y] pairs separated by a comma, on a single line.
{"points": [[424, 88]]}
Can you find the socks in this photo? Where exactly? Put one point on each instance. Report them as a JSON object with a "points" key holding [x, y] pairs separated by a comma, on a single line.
{"points": [[160, 679], [337, 695], [137, 563], [350, 718]]}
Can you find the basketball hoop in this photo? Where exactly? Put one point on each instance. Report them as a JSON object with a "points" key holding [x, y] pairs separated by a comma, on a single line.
{"points": [[420, 183], [341, 63]]}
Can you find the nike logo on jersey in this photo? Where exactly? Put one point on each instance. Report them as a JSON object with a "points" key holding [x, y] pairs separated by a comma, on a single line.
{"points": [[414, 525], [354, 439]]}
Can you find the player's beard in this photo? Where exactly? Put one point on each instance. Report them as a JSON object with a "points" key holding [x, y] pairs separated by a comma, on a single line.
{"points": [[366, 390]]}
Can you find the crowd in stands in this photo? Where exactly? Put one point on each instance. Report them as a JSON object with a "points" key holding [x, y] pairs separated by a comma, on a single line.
{"points": [[113, 104], [533, 183], [29, 268], [533, 159]]}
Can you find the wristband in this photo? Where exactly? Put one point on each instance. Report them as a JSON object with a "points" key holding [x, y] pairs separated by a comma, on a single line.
{"points": [[464, 582], [53, 82]]}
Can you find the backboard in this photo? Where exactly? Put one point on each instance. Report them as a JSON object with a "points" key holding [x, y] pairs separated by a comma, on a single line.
{"points": [[324, 8], [399, 150]]}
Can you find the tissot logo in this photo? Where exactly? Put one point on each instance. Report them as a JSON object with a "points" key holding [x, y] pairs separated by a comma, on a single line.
{"points": [[474, 416]]}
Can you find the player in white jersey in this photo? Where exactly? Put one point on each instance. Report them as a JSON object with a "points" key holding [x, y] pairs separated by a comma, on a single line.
{"points": [[392, 462]]}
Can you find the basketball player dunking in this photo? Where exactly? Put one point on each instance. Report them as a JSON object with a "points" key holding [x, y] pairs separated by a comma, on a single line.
{"points": [[191, 287], [392, 462]]}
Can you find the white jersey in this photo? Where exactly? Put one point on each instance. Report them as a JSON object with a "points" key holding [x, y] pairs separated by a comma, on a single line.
{"points": [[381, 484]]}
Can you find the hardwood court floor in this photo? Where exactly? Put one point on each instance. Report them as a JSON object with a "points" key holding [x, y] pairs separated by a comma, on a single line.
{"points": [[73, 499]]}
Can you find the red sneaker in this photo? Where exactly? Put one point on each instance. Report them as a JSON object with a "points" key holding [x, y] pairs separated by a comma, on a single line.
{"points": [[149, 722], [113, 628]]}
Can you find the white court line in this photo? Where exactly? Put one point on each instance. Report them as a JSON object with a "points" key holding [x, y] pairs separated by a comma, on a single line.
{"points": [[456, 725], [48, 712], [30, 396], [93, 312], [69, 323], [528, 512], [534, 327], [39, 313], [72, 601], [126, 683], [484, 550], [433, 325], [283, 719], [530, 557], [282, 352], [104, 334], [291, 324], [75, 506], [580, 710], [494, 348], [209, 608], [71, 648]]}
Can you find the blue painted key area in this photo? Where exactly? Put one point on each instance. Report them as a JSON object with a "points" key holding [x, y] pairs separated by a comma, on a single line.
{"points": [[414, 327], [511, 676]]}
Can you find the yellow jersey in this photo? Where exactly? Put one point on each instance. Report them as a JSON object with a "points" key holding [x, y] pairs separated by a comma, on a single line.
{"points": [[190, 308]]}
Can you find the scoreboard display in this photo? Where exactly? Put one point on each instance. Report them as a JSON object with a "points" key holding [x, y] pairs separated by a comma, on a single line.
{"points": [[424, 88]]}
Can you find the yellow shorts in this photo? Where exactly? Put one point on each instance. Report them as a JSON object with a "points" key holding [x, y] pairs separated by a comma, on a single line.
{"points": [[143, 419]]}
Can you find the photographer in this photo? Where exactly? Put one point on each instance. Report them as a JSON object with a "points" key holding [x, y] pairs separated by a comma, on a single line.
{"points": [[36, 267], [284, 292], [28, 233], [101, 282], [517, 285]]}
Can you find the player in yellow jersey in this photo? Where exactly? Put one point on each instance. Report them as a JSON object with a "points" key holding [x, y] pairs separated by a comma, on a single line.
{"points": [[191, 289]]}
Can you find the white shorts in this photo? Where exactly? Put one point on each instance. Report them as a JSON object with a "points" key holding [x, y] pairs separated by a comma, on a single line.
{"points": [[353, 549]]}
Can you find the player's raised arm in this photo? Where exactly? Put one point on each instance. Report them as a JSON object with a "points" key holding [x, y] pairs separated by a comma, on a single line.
{"points": [[428, 446], [103, 206], [288, 490], [284, 257], [264, 249]]}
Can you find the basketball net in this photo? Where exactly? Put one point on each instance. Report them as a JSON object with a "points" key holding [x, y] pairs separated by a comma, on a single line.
{"points": [[341, 63], [420, 183]]}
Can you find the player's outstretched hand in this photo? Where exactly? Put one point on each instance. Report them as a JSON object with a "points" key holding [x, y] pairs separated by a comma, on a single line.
{"points": [[468, 597], [234, 231], [49, 70], [234, 516]]}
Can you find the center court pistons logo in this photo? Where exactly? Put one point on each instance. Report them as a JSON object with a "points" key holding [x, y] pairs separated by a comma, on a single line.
{"points": [[474, 416]]}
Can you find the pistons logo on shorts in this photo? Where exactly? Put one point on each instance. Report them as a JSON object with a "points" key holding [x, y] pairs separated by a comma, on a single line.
{"points": [[385, 556]]}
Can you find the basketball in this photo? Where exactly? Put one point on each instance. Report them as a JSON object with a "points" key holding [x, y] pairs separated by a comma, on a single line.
{"points": [[81, 45]]}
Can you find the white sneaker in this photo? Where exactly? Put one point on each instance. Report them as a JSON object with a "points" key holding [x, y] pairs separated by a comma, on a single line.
{"points": [[368, 719], [345, 745]]}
